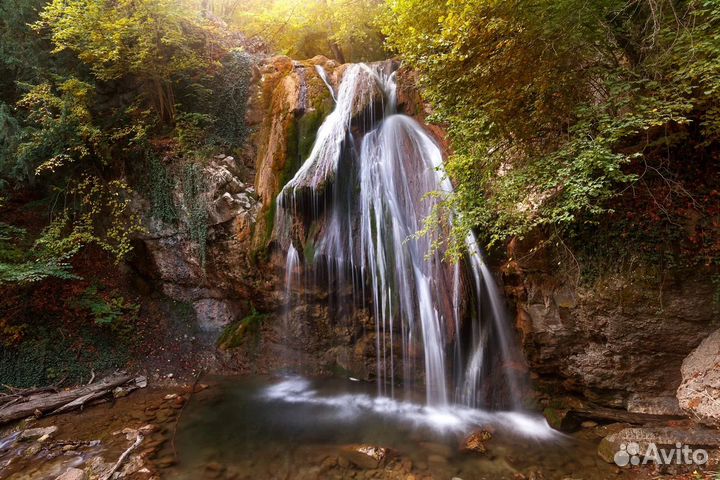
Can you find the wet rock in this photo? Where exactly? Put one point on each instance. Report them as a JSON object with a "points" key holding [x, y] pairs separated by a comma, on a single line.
{"points": [[213, 314], [329, 463], [32, 450], [214, 470], [699, 392], [165, 462], [624, 337], [148, 429], [368, 457], [73, 474], [557, 417], [475, 442], [588, 424], [40, 434], [654, 404], [119, 392]]}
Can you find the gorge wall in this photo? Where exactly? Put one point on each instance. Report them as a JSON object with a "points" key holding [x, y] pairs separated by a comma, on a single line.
{"points": [[620, 342]]}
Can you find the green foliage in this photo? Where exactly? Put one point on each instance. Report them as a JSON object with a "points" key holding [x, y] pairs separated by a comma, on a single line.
{"points": [[191, 130], [108, 310], [20, 264], [60, 128], [161, 187], [49, 355], [340, 29], [550, 105], [196, 207], [101, 214], [155, 41], [9, 134], [230, 95]]}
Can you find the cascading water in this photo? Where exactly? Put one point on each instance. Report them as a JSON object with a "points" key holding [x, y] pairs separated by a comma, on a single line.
{"points": [[361, 197]]}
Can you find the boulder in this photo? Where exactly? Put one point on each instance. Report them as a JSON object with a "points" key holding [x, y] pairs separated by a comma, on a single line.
{"points": [[699, 392], [38, 433], [475, 442], [228, 196], [367, 457], [73, 474]]}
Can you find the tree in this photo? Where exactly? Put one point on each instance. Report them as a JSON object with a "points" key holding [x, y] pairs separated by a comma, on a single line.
{"points": [[157, 42], [340, 29], [549, 103]]}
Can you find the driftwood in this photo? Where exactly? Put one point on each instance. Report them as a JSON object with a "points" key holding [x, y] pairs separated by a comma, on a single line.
{"points": [[182, 409], [118, 464], [49, 402]]}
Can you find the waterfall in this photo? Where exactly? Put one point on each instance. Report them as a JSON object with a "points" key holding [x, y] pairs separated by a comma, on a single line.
{"points": [[372, 178], [323, 76]]}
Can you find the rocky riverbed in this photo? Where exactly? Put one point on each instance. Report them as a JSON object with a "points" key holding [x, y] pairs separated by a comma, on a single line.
{"points": [[253, 427]]}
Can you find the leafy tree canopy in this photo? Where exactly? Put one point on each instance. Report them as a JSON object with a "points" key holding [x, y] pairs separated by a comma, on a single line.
{"points": [[342, 29], [551, 104]]}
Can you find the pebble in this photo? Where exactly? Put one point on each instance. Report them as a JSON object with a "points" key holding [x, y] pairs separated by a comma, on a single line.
{"points": [[165, 462], [214, 467]]}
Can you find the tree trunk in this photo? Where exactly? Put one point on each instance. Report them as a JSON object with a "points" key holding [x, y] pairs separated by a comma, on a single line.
{"points": [[61, 401], [337, 52]]}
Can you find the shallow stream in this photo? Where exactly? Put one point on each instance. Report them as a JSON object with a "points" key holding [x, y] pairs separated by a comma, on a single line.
{"points": [[295, 428]]}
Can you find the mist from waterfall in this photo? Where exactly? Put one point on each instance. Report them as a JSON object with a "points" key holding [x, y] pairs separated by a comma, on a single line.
{"points": [[371, 179]]}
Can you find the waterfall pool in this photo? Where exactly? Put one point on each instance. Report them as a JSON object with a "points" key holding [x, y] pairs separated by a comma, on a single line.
{"points": [[296, 428]]}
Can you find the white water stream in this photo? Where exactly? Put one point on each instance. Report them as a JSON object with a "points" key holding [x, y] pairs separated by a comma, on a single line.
{"points": [[370, 179]]}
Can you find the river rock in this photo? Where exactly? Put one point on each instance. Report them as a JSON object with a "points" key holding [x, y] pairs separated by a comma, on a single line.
{"points": [[38, 433], [368, 457], [475, 442], [73, 474], [699, 392]]}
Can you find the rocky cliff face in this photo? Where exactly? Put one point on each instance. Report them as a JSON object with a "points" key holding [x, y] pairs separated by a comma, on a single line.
{"points": [[619, 341], [244, 267]]}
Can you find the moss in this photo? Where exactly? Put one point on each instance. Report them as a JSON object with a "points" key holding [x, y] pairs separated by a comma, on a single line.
{"points": [[309, 250], [554, 417], [236, 333]]}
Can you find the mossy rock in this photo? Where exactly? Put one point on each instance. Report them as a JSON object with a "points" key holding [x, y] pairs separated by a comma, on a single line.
{"points": [[236, 333]]}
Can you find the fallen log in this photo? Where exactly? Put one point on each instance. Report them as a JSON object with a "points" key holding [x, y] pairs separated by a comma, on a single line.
{"points": [[574, 417], [63, 400]]}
